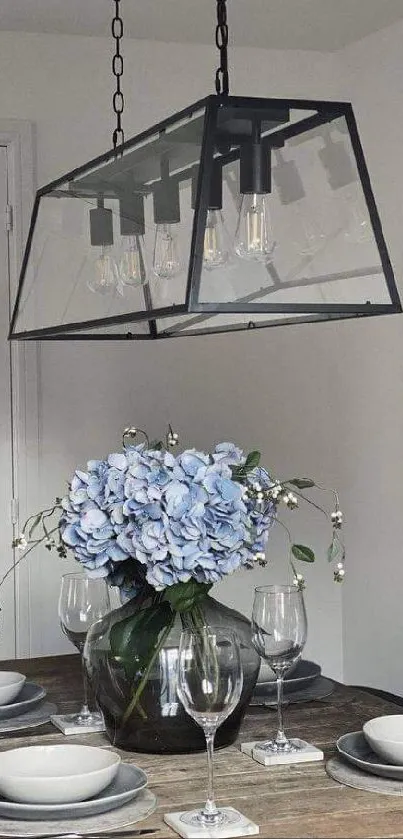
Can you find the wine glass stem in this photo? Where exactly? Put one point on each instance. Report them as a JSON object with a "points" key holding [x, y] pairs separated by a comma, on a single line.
{"points": [[210, 808], [281, 738], [85, 711]]}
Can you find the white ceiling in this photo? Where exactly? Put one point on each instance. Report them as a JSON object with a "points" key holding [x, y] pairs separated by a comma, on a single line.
{"points": [[283, 24]]}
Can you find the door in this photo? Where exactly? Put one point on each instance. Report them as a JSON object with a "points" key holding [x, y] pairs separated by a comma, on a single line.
{"points": [[7, 590]]}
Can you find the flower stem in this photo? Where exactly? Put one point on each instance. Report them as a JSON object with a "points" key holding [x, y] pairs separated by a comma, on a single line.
{"points": [[15, 564], [135, 698]]}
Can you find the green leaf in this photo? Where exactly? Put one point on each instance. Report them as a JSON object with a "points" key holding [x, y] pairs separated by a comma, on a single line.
{"points": [[252, 460], [302, 483], [303, 553], [239, 474], [34, 524], [182, 597], [134, 639], [333, 550]]}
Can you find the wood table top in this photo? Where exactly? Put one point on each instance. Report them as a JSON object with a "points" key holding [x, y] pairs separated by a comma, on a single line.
{"points": [[289, 801]]}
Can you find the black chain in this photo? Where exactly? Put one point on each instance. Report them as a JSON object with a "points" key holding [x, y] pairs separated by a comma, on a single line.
{"points": [[221, 39], [118, 101]]}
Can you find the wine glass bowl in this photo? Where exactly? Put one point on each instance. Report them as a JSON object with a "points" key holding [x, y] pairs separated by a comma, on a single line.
{"points": [[210, 676], [279, 631]]}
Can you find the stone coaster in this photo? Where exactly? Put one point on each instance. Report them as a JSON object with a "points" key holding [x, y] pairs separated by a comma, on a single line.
{"points": [[66, 724], [141, 807], [39, 715], [307, 753], [244, 827], [351, 776]]}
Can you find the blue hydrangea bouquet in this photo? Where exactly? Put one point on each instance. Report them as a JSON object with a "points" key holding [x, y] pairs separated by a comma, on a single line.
{"points": [[166, 527]]}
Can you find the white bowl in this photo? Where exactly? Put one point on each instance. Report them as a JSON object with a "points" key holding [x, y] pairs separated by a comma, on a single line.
{"points": [[10, 686], [56, 774], [385, 736]]}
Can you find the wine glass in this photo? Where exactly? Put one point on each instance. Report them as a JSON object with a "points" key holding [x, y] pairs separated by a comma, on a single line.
{"points": [[279, 630], [82, 601], [209, 685]]}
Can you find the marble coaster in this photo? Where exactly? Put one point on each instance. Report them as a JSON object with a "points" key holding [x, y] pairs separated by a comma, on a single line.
{"points": [[307, 753], [244, 827], [66, 724]]}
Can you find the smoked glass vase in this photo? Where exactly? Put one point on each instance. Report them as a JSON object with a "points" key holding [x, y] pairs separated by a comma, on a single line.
{"points": [[136, 690]]}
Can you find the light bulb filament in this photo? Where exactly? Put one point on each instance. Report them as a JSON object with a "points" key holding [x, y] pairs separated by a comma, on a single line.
{"points": [[214, 253], [166, 262], [254, 236]]}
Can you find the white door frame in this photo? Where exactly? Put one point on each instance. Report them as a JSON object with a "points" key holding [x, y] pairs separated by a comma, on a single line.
{"points": [[18, 138]]}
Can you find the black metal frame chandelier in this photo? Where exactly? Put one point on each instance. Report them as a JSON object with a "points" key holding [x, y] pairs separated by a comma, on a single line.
{"points": [[235, 213]]}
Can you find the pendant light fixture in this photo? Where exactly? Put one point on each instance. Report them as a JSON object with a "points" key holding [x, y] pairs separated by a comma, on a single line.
{"points": [[235, 213]]}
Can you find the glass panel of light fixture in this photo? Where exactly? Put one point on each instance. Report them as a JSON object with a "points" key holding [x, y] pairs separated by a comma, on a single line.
{"points": [[282, 247], [115, 240]]}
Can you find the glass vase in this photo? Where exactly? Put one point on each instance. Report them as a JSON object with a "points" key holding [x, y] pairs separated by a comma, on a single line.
{"points": [[154, 719]]}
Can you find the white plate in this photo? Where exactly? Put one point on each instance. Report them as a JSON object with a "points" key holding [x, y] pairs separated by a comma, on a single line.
{"points": [[129, 781], [28, 697]]}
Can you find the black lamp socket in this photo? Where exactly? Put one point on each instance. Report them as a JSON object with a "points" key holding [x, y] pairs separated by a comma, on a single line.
{"points": [[166, 202], [101, 225], [255, 169], [215, 191]]}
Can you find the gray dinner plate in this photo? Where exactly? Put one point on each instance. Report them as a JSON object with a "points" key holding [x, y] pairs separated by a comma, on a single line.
{"points": [[317, 689], [128, 782], [28, 697], [354, 748], [300, 677], [39, 715]]}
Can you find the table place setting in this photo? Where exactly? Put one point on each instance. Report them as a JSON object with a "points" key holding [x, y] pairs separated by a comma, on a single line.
{"points": [[57, 790], [22, 703], [371, 759]]}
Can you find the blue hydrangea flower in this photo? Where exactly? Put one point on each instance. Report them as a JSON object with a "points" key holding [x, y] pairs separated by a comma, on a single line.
{"points": [[146, 515]]}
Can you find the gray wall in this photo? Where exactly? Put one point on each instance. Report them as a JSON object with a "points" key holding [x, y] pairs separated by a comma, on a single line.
{"points": [[320, 400]]}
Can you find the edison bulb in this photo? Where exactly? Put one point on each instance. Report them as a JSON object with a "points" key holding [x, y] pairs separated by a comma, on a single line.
{"points": [[166, 261], [254, 236], [215, 253], [103, 279], [132, 271]]}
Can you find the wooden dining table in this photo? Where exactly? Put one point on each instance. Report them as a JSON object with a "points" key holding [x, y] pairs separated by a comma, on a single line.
{"points": [[285, 801]]}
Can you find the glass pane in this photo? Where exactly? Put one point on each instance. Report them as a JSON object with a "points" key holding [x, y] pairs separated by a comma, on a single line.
{"points": [[308, 241], [115, 240]]}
